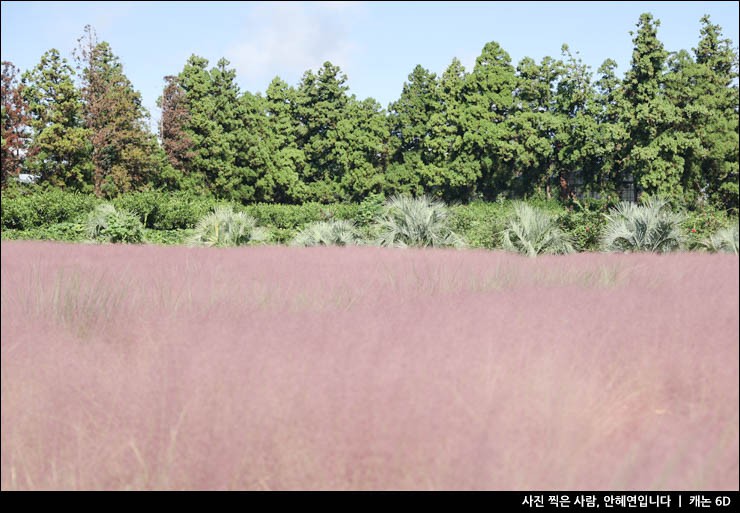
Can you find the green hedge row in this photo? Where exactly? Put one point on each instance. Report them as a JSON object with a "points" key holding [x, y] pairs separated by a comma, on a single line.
{"points": [[35, 207], [51, 214]]}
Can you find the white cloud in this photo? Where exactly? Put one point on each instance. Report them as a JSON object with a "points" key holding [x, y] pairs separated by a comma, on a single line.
{"points": [[288, 38]]}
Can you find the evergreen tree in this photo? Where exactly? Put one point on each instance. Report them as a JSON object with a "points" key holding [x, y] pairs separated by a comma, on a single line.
{"points": [[458, 172], [175, 141], [321, 103], [362, 149], [125, 154], [685, 89], [60, 152], [231, 139], [612, 132], [671, 125], [218, 123], [413, 169], [577, 143], [280, 180], [199, 126], [14, 123], [535, 124], [652, 153], [718, 62], [489, 94]]}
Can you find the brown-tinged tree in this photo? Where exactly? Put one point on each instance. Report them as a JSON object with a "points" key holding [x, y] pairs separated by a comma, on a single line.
{"points": [[14, 123], [125, 154], [176, 142]]}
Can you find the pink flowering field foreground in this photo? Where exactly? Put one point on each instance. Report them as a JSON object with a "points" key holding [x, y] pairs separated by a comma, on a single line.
{"points": [[142, 367]]}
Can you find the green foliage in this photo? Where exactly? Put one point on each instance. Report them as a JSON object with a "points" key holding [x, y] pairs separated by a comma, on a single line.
{"points": [[46, 213], [648, 227], [369, 209], [60, 152], [224, 227], [479, 222], [417, 222], [712, 109], [124, 227], [107, 224], [328, 233], [38, 206], [584, 222], [145, 204], [64, 232], [314, 153], [533, 231], [166, 210], [181, 210], [543, 129], [699, 224], [167, 237], [487, 138], [284, 221], [97, 220]]}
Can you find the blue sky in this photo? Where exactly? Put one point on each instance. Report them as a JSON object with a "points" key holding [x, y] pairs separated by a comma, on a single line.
{"points": [[376, 44]]}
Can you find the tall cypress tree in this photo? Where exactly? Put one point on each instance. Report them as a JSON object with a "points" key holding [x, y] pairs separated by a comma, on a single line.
{"points": [[125, 154], [612, 133], [14, 123], [535, 124], [216, 125], [199, 126], [489, 93], [60, 152], [458, 173], [577, 144], [321, 103], [651, 152], [280, 179], [231, 178], [362, 149], [412, 169], [718, 94], [175, 117]]}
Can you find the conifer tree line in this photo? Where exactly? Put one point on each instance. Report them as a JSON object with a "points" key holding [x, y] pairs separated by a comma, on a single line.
{"points": [[514, 130]]}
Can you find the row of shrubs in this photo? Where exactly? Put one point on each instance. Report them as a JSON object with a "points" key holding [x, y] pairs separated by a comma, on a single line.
{"points": [[543, 227], [171, 218], [36, 208], [423, 222]]}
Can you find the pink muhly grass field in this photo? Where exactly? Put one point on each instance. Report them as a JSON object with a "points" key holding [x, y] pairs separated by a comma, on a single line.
{"points": [[142, 367]]}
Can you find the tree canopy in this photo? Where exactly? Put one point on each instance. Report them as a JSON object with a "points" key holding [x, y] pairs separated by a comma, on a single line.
{"points": [[553, 128]]}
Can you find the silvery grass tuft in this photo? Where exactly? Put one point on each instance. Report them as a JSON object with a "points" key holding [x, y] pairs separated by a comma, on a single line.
{"points": [[97, 220], [338, 232], [223, 228], [648, 227], [416, 222], [532, 231], [107, 224], [724, 240]]}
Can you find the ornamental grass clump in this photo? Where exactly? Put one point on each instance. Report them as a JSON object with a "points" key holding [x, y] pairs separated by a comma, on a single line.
{"points": [[107, 224], [724, 240], [225, 228], [650, 227], [416, 222], [532, 231], [338, 232]]}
